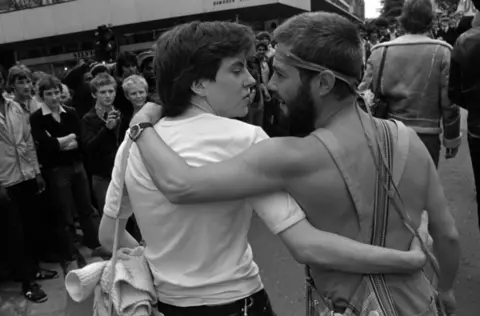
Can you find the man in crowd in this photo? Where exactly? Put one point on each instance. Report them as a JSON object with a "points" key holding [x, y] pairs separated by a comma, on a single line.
{"points": [[464, 89], [56, 128], [102, 134], [331, 172], [20, 182], [20, 83]]}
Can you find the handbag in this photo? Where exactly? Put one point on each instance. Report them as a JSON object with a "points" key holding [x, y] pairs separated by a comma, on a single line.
{"points": [[379, 106]]}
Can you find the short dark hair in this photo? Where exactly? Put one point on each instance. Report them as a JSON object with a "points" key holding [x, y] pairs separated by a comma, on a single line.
{"points": [[417, 16], [124, 59], [326, 39], [262, 36], [48, 82], [194, 51]]}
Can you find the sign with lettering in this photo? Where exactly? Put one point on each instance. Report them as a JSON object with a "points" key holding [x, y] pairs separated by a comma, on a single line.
{"points": [[84, 54], [16, 5]]}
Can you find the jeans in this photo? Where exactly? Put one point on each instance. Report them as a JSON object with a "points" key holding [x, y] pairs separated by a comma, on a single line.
{"points": [[20, 213], [474, 145], [70, 190], [258, 304], [100, 187], [432, 142]]}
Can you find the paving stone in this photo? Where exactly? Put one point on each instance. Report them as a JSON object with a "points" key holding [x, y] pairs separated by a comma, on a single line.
{"points": [[12, 302], [57, 295]]}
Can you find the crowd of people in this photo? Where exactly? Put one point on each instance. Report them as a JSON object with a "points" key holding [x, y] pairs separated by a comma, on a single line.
{"points": [[58, 143]]}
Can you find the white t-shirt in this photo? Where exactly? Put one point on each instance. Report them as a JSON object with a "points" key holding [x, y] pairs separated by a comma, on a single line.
{"points": [[199, 254]]}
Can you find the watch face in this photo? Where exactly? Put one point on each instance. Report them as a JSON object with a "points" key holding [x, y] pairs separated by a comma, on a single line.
{"points": [[134, 132]]}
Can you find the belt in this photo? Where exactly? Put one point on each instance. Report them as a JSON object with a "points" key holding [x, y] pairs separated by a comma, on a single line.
{"points": [[253, 301]]}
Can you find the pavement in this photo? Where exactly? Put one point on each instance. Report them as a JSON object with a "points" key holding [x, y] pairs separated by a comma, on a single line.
{"points": [[13, 303], [283, 277]]}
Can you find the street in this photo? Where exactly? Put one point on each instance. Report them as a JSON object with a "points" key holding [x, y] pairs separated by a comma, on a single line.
{"points": [[283, 277]]}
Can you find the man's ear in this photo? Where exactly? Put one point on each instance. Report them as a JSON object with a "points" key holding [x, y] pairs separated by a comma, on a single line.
{"points": [[199, 87], [324, 82], [94, 95]]}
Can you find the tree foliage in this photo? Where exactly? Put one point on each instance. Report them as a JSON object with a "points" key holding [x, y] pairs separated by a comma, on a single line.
{"points": [[392, 9]]}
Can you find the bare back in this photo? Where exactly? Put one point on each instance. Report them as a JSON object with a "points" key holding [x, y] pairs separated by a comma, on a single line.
{"points": [[329, 205]]}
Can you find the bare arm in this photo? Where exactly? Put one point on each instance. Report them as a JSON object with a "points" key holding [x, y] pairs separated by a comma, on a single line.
{"points": [[446, 245], [118, 205], [258, 170], [106, 234], [311, 246]]}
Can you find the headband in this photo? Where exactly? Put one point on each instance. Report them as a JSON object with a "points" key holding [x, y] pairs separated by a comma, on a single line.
{"points": [[294, 60]]}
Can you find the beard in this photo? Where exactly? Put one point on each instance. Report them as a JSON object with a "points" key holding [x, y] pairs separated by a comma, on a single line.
{"points": [[302, 113]]}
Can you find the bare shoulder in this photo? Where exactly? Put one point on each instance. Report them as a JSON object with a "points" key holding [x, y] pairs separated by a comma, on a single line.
{"points": [[292, 156]]}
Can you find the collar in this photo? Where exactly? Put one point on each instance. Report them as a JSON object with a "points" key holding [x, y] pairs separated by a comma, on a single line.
{"points": [[412, 39], [46, 110]]}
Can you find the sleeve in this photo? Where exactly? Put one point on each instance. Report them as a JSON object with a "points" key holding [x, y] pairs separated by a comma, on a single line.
{"points": [[368, 76], [40, 135], [32, 152], [117, 202], [455, 79], [450, 111], [260, 135], [278, 211]]}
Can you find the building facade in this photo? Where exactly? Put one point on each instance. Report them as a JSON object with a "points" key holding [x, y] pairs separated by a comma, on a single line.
{"points": [[51, 35]]}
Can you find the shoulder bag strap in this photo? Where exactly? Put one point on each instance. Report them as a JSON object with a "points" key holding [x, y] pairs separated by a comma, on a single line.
{"points": [[381, 211], [123, 169]]}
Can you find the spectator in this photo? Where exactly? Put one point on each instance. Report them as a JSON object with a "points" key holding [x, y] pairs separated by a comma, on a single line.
{"points": [[145, 65], [20, 182], [57, 130], [19, 82], [103, 128]]}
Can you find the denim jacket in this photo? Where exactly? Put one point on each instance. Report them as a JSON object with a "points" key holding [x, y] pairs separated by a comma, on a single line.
{"points": [[18, 157], [415, 85]]}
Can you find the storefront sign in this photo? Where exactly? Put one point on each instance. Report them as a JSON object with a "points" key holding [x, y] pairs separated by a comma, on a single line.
{"points": [[84, 54]]}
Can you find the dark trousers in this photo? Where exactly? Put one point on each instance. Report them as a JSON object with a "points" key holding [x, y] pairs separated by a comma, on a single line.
{"points": [[21, 213], [432, 142], [257, 304], [474, 145], [70, 189], [100, 187]]}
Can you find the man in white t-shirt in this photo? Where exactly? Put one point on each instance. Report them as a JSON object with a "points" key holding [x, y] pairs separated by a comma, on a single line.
{"points": [[199, 254]]}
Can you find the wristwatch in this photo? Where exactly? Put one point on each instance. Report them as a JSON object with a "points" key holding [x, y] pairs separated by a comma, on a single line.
{"points": [[137, 130]]}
